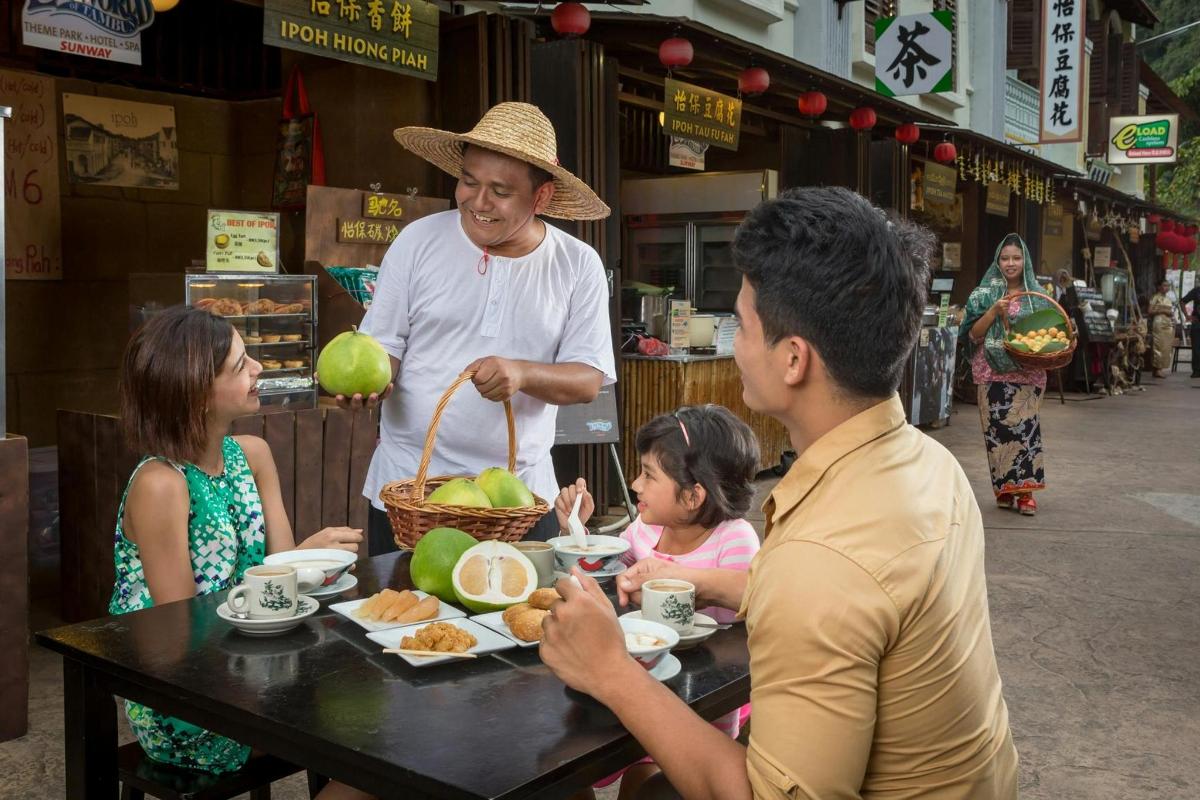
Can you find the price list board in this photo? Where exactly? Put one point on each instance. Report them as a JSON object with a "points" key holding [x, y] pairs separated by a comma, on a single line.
{"points": [[1089, 313]]}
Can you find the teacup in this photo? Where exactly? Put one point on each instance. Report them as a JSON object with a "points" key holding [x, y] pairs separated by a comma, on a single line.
{"points": [[542, 556], [603, 553], [647, 641], [267, 591], [314, 568], [670, 602]]}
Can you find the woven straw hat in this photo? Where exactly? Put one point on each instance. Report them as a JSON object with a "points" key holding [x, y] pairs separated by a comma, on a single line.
{"points": [[519, 130]]}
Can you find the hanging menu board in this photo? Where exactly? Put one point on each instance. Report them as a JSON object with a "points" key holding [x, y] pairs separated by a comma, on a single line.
{"points": [[1097, 327]]}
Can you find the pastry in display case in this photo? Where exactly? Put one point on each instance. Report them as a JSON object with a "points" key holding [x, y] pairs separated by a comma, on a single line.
{"points": [[274, 314]]}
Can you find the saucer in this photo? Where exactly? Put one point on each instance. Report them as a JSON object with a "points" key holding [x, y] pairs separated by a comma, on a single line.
{"points": [[667, 667], [686, 640], [600, 575], [270, 627], [342, 584]]}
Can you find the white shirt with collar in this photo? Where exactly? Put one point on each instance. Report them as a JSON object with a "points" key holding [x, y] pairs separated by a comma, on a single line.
{"points": [[437, 309]]}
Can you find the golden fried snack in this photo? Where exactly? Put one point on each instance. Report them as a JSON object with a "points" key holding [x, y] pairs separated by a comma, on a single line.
{"points": [[226, 307], [426, 609], [261, 306], [248, 339], [441, 637], [292, 337], [294, 363], [270, 363], [270, 338], [527, 626], [204, 302], [512, 612], [290, 308], [543, 598]]}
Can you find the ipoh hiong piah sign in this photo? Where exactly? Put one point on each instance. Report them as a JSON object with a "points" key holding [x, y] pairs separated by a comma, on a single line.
{"points": [[110, 30]]}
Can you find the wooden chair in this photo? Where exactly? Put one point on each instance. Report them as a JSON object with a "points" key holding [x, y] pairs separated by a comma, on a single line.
{"points": [[140, 776]]}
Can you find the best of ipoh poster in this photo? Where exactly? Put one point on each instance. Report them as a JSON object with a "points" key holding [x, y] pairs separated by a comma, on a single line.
{"points": [[112, 142]]}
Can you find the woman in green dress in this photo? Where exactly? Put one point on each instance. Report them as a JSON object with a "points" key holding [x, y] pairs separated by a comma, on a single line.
{"points": [[202, 506]]}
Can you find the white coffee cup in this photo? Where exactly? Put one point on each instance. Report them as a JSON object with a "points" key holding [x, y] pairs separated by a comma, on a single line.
{"points": [[267, 591], [671, 602]]}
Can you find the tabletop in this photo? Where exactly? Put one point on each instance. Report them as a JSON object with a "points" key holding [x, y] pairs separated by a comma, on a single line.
{"points": [[323, 696]]}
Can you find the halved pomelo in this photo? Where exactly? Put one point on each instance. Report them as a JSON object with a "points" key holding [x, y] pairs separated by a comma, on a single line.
{"points": [[492, 576]]}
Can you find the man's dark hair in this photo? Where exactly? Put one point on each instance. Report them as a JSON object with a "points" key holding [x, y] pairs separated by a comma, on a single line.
{"points": [[831, 268], [718, 451]]}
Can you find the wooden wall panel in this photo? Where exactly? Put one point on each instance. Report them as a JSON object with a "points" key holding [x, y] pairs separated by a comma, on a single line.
{"points": [[14, 587]]}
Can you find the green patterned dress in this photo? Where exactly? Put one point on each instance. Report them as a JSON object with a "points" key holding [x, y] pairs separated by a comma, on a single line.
{"points": [[226, 536]]}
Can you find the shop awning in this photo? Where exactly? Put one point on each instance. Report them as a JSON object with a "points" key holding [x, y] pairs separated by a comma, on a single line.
{"points": [[633, 39], [1007, 149], [1117, 198]]}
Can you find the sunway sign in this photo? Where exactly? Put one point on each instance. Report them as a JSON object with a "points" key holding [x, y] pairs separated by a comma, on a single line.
{"points": [[106, 29]]}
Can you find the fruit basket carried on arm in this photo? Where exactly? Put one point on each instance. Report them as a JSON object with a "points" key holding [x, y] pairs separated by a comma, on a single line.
{"points": [[1044, 339], [413, 512]]}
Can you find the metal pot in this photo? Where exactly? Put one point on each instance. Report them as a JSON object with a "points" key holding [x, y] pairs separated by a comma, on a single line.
{"points": [[644, 308]]}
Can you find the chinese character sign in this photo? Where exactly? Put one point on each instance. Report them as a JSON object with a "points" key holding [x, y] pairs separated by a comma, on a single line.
{"points": [[701, 115], [1062, 71], [396, 35], [914, 54]]}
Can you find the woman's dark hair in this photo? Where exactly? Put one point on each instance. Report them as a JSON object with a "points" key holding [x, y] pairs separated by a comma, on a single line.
{"points": [[167, 376], [1014, 240], [718, 451], [831, 268]]}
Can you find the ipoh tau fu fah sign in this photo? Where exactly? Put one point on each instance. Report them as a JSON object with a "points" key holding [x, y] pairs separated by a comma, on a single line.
{"points": [[692, 112], [396, 35]]}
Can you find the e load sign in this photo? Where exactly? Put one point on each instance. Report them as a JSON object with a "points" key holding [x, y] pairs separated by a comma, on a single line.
{"points": [[1143, 140]]}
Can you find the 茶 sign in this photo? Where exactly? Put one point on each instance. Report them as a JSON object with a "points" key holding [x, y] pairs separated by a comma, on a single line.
{"points": [[914, 54], [701, 115], [1143, 140]]}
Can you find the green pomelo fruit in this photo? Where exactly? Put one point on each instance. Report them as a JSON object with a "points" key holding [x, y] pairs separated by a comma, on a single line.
{"points": [[459, 492], [492, 576], [354, 363], [504, 489], [433, 561]]}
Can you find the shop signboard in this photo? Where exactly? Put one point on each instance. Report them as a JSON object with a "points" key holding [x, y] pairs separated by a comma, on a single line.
{"points": [[1052, 224], [1143, 140], [242, 241], [940, 183], [110, 31], [1103, 257], [1063, 33], [33, 219], [686, 154], [701, 115], [914, 54], [395, 35], [367, 231], [997, 199]]}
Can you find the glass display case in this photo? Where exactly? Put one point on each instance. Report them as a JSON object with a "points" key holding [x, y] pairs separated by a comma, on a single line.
{"points": [[276, 316]]}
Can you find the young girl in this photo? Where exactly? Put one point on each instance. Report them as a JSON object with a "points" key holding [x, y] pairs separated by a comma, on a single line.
{"points": [[201, 507], [696, 483]]}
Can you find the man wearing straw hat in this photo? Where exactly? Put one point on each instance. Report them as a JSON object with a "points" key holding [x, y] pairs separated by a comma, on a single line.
{"points": [[489, 287]]}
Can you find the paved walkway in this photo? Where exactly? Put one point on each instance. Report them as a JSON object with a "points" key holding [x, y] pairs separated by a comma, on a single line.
{"points": [[1095, 608]]}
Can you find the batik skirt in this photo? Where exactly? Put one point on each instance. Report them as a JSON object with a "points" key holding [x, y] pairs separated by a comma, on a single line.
{"points": [[1013, 435]]}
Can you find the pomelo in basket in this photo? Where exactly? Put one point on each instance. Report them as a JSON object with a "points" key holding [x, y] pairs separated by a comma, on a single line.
{"points": [[459, 492], [354, 363], [504, 489], [492, 576], [433, 560]]}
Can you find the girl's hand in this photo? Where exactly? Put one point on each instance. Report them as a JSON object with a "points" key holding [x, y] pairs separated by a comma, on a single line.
{"points": [[338, 538], [566, 501], [1000, 307]]}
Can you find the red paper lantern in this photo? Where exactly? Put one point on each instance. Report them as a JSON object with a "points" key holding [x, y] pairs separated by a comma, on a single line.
{"points": [[908, 133], [753, 80], [1153, 219], [812, 104], [676, 52], [862, 118], [1161, 240], [945, 152], [1189, 246], [570, 20], [1167, 226]]}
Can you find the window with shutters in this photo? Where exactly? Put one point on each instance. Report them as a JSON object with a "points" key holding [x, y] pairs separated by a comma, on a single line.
{"points": [[951, 6], [1024, 39], [873, 10], [1105, 84], [1129, 79]]}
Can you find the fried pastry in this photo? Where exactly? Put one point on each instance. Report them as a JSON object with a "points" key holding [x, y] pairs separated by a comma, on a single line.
{"points": [[543, 598], [270, 363], [226, 307], [204, 302], [292, 308], [294, 363], [440, 637], [292, 337], [527, 626], [251, 339], [512, 612], [270, 338]]}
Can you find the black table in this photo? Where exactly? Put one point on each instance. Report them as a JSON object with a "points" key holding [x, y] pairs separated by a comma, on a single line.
{"points": [[325, 698]]}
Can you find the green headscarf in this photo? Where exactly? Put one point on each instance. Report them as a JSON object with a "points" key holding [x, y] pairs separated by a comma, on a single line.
{"points": [[994, 286]]}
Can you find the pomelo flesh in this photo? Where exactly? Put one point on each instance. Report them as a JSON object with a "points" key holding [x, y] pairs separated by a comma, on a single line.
{"points": [[492, 576]]}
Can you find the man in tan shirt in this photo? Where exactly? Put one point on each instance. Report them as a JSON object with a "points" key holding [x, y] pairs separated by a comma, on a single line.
{"points": [[871, 660]]}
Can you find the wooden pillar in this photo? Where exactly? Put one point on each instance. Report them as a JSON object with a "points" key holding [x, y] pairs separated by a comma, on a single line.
{"points": [[14, 587]]}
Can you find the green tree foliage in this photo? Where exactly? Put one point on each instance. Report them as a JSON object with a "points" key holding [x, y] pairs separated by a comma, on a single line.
{"points": [[1177, 60], [1174, 57]]}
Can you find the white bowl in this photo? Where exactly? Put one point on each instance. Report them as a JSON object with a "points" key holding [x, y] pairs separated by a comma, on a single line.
{"points": [[312, 578], [648, 657], [567, 556]]}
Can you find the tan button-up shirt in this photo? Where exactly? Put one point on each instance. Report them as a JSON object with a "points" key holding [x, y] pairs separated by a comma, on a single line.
{"points": [[871, 660]]}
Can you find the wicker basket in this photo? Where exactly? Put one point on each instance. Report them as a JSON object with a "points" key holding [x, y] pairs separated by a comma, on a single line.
{"points": [[412, 517], [1045, 361]]}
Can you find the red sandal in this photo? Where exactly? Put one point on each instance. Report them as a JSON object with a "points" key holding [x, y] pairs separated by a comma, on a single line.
{"points": [[1027, 505], [1004, 500]]}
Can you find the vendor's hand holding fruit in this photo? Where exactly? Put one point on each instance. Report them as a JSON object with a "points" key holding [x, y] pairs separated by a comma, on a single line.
{"points": [[357, 401], [497, 379], [566, 501], [582, 642]]}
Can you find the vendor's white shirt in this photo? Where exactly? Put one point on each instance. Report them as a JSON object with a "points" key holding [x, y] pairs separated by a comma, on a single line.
{"points": [[436, 313]]}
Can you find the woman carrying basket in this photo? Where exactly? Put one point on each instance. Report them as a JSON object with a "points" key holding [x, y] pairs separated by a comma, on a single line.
{"points": [[1010, 396]]}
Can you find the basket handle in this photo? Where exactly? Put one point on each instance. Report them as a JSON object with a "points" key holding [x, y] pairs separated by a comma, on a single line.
{"points": [[427, 453], [1041, 296]]}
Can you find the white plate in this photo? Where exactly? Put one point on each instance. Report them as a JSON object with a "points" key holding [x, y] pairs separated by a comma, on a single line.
{"points": [[489, 641], [687, 640], [666, 668], [346, 609], [495, 622], [270, 627], [601, 575], [343, 584]]}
